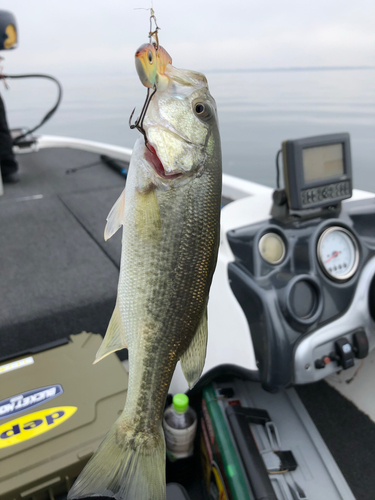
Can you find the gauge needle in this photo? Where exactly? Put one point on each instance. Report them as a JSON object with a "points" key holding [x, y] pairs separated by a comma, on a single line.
{"points": [[332, 257]]}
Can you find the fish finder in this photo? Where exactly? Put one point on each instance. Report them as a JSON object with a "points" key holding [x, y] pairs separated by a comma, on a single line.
{"points": [[317, 171]]}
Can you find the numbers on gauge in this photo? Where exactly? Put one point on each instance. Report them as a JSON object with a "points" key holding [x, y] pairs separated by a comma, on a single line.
{"points": [[338, 253]]}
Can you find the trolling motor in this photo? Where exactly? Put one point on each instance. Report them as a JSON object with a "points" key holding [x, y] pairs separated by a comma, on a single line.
{"points": [[9, 40]]}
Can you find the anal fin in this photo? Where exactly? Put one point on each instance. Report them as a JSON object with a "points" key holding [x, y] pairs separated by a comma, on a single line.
{"points": [[192, 361], [114, 339]]}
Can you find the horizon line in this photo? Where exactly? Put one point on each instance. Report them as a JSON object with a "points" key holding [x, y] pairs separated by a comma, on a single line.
{"points": [[291, 68]]}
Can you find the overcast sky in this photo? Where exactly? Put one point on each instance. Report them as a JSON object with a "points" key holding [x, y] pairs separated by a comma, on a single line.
{"points": [[93, 36]]}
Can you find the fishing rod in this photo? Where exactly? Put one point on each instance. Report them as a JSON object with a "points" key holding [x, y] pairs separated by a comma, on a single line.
{"points": [[50, 113]]}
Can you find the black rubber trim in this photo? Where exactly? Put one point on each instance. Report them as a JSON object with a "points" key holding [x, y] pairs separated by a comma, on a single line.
{"points": [[252, 461], [223, 372], [35, 350]]}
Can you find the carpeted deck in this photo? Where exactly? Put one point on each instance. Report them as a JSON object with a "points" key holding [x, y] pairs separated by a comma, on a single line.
{"points": [[348, 433], [58, 275]]}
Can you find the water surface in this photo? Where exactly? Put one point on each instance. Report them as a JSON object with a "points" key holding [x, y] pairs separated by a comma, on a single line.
{"points": [[257, 111]]}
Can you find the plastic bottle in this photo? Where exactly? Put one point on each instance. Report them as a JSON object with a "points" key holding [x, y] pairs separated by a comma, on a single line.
{"points": [[180, 425]]}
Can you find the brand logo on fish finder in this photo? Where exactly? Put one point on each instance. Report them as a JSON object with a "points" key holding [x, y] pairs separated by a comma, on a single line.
{"points": [[33, 424], [30, 399]]}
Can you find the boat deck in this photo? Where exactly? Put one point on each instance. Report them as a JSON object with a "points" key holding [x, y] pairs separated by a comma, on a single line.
{"points": [[59, 277]]}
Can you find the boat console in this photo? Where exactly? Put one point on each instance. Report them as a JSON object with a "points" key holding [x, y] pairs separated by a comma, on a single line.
{"points": [[305, 288], [305, 277]]}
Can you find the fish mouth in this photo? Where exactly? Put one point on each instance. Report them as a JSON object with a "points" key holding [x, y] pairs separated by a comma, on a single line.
{"points": [[153, 159]]}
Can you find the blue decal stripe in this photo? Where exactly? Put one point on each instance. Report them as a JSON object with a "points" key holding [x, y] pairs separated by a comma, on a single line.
{"points": [[24, 401]]}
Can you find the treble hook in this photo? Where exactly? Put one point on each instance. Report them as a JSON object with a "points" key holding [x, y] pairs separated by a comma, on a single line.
{"points": [[138, 124]]}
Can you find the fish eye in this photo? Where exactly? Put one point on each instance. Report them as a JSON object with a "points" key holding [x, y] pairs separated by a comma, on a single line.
{"points": [[199, 108], [149, 55], [202, 110]]}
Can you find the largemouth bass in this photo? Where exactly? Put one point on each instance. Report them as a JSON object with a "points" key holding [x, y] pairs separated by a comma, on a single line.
{"points": [[170, 213]]}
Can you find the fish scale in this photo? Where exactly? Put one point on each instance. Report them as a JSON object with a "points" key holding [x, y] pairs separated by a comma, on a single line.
{"points": [[167, 284]]}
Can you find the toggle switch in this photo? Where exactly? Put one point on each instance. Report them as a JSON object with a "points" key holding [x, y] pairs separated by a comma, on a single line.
{"points": [[322, 362], [319, 364], [344, 353], [360, 344]]}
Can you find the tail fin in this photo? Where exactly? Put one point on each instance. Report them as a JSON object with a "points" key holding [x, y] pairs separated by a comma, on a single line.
{"points": [[126, 466]]}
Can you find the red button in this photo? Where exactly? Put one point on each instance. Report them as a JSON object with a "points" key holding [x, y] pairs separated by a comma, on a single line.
{"points": [[327, 360]]}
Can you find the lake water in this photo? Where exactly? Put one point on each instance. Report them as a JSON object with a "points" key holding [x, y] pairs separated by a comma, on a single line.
{"points": [[257, 111]]}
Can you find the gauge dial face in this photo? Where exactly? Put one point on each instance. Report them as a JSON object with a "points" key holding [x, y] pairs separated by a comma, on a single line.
{"points": [[338, 253], [272, 248]]}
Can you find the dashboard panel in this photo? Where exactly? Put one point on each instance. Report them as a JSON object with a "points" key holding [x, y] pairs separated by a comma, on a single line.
{"points": [[295, 278]]}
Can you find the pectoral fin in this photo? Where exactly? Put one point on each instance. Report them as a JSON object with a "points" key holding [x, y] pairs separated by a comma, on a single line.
{"points": [[148, 222], [192, 361], [115, 217], [114, 339]]}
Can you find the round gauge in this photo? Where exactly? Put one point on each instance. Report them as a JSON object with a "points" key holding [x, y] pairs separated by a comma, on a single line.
{"points": [[272, 248], [338, 253]]}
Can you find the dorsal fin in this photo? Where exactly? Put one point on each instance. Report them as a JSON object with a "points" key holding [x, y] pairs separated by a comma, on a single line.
{"points": [[115, 217]]}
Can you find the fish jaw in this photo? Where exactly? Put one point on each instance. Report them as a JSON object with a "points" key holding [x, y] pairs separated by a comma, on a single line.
{"points": [[152, 159], [149, 172], [177, 155]]}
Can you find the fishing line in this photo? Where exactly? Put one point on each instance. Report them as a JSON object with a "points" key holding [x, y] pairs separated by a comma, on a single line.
{"points": [[50, 113], [155, 32]]}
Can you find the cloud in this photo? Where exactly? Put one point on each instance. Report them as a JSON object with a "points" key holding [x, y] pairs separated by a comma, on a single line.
{"points": [[102, 36]]}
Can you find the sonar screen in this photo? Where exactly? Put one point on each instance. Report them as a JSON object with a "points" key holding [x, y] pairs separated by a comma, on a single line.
{"points": [[317, 171]]}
